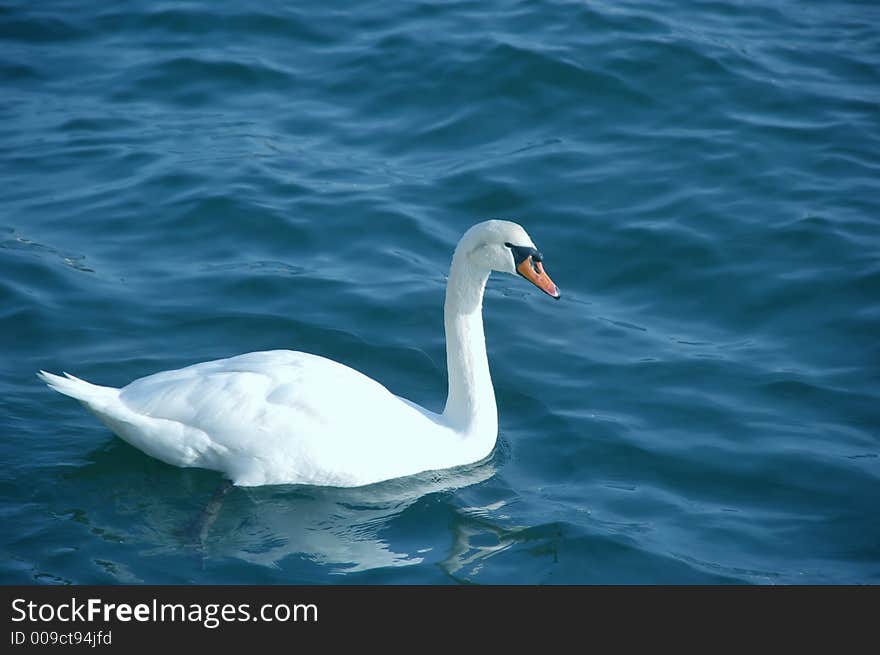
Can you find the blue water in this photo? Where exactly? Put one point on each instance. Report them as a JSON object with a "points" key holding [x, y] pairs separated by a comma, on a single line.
{"points": [[181, 181]]}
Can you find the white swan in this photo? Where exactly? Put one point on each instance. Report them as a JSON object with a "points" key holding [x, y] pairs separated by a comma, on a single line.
{"points": [[284, 417]]}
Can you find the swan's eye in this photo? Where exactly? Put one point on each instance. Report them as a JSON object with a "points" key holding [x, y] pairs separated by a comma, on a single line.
{"points": [[520, 253]]}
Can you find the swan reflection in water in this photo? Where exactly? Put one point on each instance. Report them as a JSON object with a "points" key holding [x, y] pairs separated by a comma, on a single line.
{"points": [[336, 528], [281, 528]]}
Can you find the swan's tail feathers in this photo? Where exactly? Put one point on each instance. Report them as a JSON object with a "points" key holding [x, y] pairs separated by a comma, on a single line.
{"points": [[93, 395]]}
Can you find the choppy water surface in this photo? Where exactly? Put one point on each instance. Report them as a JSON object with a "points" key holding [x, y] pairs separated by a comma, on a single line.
{"points": [[182, 181]]}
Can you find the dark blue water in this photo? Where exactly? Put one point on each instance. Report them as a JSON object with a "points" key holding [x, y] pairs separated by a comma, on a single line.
{"points": [[181, 181]]}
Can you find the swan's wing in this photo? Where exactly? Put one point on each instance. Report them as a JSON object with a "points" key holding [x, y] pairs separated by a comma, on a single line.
{"points": [[282, 410], [252, 391]]}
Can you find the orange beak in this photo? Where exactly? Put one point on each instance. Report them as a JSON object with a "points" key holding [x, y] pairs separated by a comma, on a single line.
{"points": [[534, 272]]}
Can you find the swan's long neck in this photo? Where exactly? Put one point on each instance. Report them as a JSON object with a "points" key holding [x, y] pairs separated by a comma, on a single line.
{"points": [[470, 406]]}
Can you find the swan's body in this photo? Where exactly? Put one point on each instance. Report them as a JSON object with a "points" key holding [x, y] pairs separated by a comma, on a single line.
{"points": [[290, 417]]}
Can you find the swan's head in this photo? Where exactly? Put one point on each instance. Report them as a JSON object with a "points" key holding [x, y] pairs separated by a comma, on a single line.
{"points": [[506, 247]]}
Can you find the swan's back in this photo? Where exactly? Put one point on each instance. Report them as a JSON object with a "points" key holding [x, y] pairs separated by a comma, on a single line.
{"points": [[256, 386]]}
